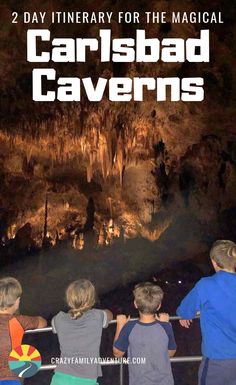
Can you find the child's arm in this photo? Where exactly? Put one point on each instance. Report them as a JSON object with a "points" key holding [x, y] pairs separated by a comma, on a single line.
{"points": [[164, 317], [121, 322], [171, 352], [189, 307], [28, 322], [169, 331], [42, 323], [109, 315]]}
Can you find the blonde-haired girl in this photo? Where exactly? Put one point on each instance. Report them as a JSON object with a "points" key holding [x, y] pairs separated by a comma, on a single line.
{"points": [[79, 332]]}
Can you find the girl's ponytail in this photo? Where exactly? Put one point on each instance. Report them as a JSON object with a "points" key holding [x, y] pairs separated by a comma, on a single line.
{"points": [[80, 297]]}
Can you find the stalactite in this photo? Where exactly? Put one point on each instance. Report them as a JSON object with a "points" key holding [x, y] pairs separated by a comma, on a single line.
{"points": [[108, 141], [45, 230], [120, 159], [89, 171]]}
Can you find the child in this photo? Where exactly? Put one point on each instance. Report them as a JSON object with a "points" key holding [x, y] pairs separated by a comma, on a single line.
{"points": [[215, 298], [79, 332], [149, 338], [12, 326]]}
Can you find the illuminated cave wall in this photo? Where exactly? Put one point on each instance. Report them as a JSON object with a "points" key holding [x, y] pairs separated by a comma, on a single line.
{"points": [[135, 160]]}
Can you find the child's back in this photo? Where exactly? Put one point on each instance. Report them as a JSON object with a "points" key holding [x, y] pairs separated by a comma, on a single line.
{"points": [[79, 332], [148, 341], [215, 298], [80, 339], [12, 327], [12, 330]]}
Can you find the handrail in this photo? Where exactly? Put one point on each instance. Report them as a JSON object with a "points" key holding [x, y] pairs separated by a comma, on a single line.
{"points": [[115, 362], [49, 329]]}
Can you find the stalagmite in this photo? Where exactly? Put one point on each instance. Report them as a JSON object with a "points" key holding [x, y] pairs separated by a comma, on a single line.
{"points": [[102, 236]]}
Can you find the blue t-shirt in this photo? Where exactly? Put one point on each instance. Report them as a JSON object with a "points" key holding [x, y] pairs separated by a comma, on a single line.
{"points": [[149, 341], [215, 298]]}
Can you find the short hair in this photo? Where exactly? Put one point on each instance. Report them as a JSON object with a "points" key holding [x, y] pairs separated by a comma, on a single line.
{"points": [[223, 252], [80, 297], [10, 291], [148, 297]]}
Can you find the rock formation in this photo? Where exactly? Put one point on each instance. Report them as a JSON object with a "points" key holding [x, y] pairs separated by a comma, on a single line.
{"points": [[139, 160]]}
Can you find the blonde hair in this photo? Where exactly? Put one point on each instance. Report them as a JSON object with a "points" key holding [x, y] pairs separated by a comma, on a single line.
{"points": [[10, 291], [223, 252], [148, 297], [80, 297]]}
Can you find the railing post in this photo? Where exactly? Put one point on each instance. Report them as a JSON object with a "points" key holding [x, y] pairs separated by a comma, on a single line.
{"points": [[121, 373]]}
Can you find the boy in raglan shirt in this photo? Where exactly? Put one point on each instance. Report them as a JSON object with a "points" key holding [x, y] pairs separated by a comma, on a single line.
{"points": [[148, 338]]}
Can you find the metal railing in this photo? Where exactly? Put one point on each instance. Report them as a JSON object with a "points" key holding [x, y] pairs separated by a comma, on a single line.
{"points": [[49, 329], [117, 362]]}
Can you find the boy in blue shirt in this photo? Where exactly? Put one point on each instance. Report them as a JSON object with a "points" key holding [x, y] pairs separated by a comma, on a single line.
{"points": [[215, 298], [147, 338]]}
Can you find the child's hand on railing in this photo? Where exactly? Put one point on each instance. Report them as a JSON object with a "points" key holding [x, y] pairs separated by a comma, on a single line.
{"points": [[163, 317], [185, 323], [121, 319]]}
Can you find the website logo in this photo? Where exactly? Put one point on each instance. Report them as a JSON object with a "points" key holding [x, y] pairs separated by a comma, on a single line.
{"points": [[25, 361]]}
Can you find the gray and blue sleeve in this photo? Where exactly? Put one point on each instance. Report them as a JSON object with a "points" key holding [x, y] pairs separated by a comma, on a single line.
{"points": [[122, 342], [169, 331]]}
